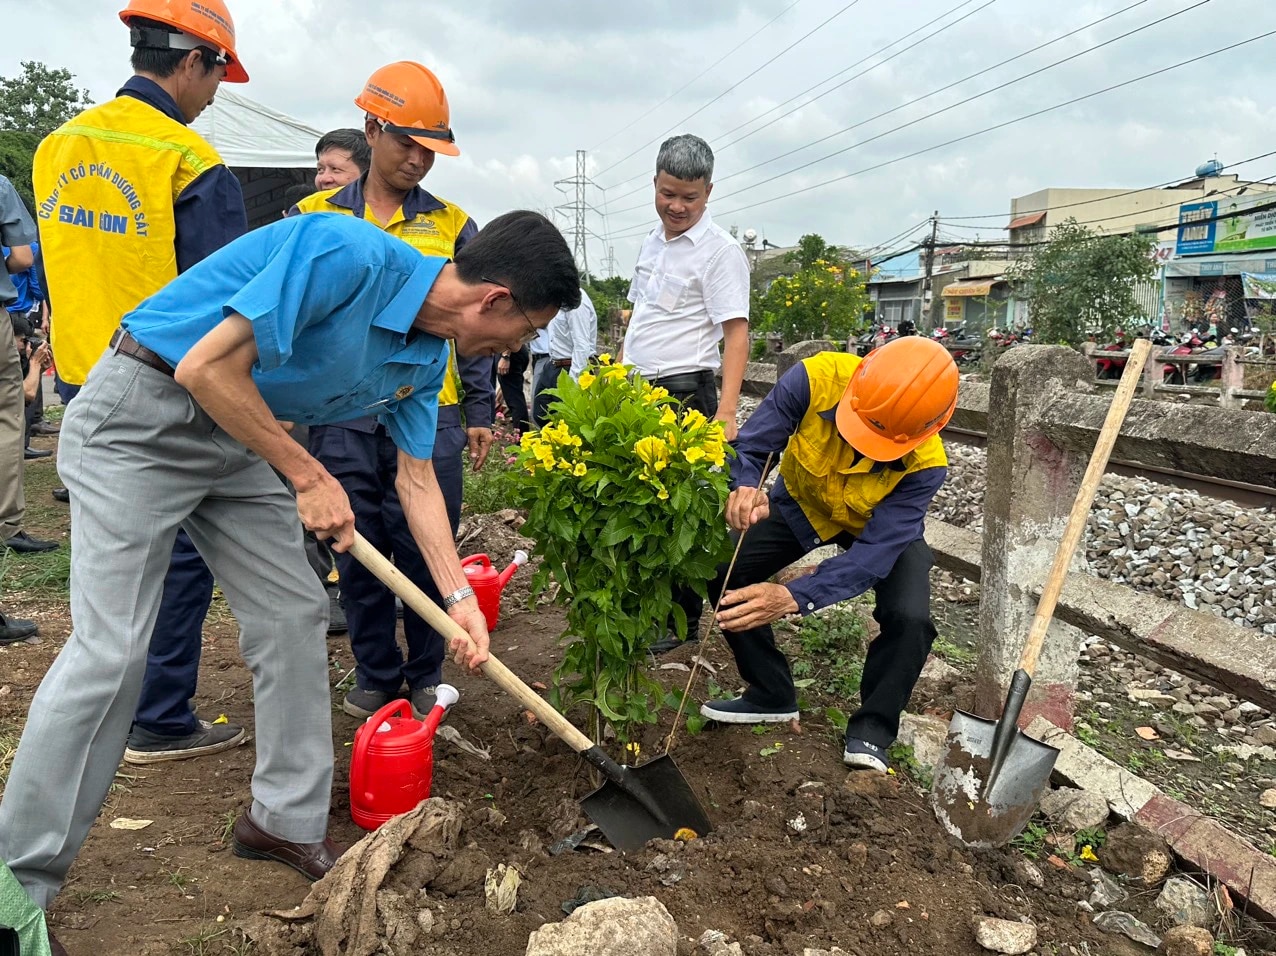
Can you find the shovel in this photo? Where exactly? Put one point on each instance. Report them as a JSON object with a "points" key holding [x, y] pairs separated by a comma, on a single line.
{"points": [[990, 776], [634, 804]]}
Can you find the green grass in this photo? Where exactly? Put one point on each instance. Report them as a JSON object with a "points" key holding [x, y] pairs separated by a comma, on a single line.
{"points": [[9, 735], [491, 489], [954, 653], [831, 655], [45, 575], [903, 759]]}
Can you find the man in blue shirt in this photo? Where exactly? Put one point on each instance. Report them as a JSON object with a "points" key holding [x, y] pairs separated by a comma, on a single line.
{"points": [[312, 319]]}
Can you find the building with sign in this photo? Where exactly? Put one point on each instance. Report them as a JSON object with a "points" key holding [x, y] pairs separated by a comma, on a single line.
{"points": [[1224, 262]]}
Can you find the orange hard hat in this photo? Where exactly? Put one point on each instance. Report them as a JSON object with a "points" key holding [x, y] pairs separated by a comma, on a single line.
{"points": [[898, 396], [408, 99], [206, 20]]}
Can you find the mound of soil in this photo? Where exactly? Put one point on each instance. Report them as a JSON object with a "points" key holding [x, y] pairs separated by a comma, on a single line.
{"points": [[803, 854]]}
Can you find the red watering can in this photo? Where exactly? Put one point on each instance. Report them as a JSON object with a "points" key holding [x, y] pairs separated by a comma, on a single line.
{"points": [[393, 760], [488, 583]]}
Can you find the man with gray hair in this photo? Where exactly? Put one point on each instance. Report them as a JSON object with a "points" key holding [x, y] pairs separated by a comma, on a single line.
{"points": [[690, 293]]}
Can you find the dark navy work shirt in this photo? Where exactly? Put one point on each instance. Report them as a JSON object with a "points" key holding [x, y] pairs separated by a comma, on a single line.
{"points": [[210, 211], [895, 523]]}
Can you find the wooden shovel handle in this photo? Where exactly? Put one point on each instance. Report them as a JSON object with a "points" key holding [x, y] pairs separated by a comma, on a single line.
{"points": [[492, 669], [1081, 507]]}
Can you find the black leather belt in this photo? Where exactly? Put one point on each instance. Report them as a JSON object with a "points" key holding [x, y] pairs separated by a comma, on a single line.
{"points": [[125, 344], [686, 381], [561, 363]]}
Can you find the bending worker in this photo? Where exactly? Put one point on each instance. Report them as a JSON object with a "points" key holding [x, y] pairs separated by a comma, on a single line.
{"points": [[310, 319], [862, 461]]}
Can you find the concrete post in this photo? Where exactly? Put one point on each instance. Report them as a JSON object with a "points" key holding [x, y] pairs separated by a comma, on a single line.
{"points": [[1232, 377], [1031, 487], [802, 350], [1153, 373]]}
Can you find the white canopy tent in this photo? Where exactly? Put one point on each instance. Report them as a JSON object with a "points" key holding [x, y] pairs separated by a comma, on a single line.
{"points": [[266, 150]]}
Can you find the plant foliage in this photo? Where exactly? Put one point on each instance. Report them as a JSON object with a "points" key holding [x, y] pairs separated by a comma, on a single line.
{"points": [[625, 492], [1080, 284]]}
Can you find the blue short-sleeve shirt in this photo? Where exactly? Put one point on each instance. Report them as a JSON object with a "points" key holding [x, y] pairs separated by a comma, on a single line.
{"points": [[331, 300]]}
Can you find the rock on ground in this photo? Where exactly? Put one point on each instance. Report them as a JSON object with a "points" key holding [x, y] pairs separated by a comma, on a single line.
{"points": [[1185, 903], [1004, 936], [1187, 941], [1075, 809], [618, 927], [1132, 851]]}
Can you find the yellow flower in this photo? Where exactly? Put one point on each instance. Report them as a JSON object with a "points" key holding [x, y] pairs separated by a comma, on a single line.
{"points": [[564, 465], [1087, 854], [693, 418], [693, 454], [586, 379], [658, 393], [670, 417], [652, 451], [580, 469], [716, 453], [662, 495], [604, 359]]}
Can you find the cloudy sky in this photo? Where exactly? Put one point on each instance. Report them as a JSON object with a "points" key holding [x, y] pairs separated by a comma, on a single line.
{"points": [[532, 82]]}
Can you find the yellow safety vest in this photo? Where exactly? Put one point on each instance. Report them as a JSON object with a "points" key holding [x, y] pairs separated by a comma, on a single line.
{"points": [[105, 184], [432, 233], [834, 491]]}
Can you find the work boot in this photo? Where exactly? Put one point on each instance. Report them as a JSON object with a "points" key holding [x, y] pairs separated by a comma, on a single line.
{"points": [[363, 703], [60, 494], [44, 428], [145, 747], [29, 453]]}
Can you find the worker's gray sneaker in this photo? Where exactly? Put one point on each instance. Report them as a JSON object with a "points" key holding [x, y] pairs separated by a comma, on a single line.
{"points": [[861, 755], [361, 702], [741, 711], [145, 747], [423, 701]]}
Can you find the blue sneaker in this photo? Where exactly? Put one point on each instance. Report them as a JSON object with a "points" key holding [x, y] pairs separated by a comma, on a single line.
{"points": [[740, 711], [861, 755]]}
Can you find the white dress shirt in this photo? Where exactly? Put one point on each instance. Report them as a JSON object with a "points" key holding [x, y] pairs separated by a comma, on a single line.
{"points": [[574, 334], [683, 289]]}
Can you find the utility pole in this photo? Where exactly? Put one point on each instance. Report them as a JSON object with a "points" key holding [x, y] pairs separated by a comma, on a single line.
{"points": [[927, 304], [577, 210]]}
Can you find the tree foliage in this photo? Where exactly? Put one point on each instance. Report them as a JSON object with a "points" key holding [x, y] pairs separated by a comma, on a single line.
{"points": [[1078, 283], [40, 99], [17, 152], [824, 299], [811, 249]]}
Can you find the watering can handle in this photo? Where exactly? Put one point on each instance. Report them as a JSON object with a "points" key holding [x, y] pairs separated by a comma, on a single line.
{"points": [[482, 559], [364, 740], [1081, 506], [492, 669]]}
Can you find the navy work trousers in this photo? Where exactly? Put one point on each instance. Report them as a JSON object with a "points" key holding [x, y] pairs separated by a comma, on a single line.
{"points": [[366, 464]]}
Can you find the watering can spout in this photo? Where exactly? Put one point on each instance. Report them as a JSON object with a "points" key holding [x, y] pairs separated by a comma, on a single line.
{"points": [[445, 695], [520, 558]]}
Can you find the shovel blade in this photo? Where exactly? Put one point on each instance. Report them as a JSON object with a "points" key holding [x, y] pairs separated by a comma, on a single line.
{"points": [[965, 805], [628, 825]]}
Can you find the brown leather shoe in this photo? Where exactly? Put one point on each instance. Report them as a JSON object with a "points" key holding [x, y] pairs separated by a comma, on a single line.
{"points": [[56, 948], [311, 860]]}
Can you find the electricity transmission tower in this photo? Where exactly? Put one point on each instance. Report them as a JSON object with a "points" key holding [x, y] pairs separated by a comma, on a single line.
{"points": [[577, 211]]}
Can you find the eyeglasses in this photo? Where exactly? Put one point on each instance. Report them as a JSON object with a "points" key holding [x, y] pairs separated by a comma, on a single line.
{"points": [[532, 331]]}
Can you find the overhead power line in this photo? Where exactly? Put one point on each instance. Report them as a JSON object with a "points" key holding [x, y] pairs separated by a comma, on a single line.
{"points": [[747, 76], [988, 129], [931, 115], [735, 48], [834, 76]]}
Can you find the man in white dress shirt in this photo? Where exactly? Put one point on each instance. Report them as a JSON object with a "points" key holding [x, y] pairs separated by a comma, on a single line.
{"points": [[568, 343], [690, 293], [690, 290]]}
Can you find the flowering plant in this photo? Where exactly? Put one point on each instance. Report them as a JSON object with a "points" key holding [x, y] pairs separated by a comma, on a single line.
{"points": [[625, 491]]}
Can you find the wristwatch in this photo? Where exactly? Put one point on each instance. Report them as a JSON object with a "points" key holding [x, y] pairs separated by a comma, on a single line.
{"points": [[460, 594]]}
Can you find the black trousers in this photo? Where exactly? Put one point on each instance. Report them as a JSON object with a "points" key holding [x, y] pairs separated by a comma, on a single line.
{"points": [[512, 388], [895, 658]]}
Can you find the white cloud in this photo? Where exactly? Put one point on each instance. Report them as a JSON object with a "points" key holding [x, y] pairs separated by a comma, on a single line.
{"points": [[530, 83]]}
